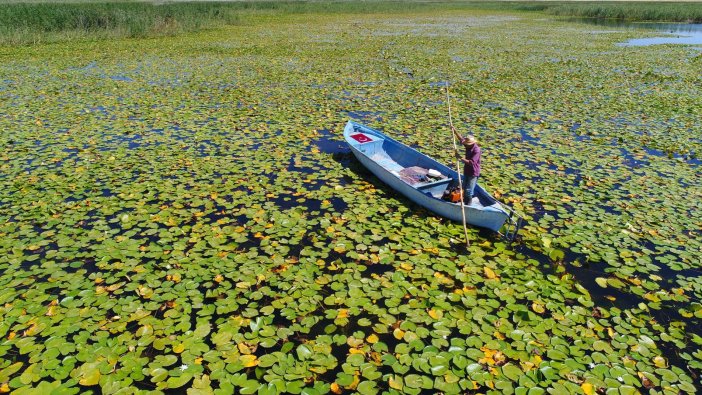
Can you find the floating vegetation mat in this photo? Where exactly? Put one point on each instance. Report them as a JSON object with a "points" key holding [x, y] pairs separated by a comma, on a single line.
{"points": [[181, 213]]}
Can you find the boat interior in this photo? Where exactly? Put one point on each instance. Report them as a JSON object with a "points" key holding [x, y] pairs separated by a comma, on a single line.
{"points": [[396, 158]]}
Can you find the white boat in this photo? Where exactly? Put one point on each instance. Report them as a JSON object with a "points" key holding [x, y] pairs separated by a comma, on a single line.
{"points": [[387, 159]]}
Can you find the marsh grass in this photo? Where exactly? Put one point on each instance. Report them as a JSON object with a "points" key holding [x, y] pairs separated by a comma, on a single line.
{"points": [[28, 23], [634, 11]]}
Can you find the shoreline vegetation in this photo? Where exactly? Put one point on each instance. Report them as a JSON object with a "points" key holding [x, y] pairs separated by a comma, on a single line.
{"points": [[33, 23]]}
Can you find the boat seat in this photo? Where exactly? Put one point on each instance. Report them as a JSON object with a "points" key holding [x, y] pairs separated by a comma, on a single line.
{"points": [[442, 181], [435, 188]]}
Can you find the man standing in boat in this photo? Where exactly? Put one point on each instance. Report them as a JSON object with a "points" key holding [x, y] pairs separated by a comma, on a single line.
{"points": [[471, 164]]}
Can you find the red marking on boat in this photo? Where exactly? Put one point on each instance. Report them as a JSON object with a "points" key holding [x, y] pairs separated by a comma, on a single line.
{"points": [[361, 138]]}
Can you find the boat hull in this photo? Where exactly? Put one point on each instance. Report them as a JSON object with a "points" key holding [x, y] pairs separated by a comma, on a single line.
{"points": [[489, 214]]}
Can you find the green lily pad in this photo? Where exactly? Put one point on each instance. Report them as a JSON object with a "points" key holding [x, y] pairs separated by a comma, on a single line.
{"points": [[178, 381]]}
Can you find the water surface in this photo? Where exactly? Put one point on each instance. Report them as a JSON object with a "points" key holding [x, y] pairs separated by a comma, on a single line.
{"points": [[675, 33]]}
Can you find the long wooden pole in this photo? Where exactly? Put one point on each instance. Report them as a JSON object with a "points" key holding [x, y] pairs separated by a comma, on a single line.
{"points": [[458, 167]]}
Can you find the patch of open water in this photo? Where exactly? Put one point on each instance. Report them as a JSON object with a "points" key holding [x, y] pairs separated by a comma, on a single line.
{"points": [[328, 143], [121, 78], [675, 33]]}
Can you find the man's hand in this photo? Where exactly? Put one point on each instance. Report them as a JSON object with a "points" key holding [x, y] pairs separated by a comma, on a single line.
{"points": [[453, 129]]}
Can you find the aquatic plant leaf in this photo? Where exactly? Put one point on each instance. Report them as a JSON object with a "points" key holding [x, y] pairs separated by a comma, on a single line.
{"points": [[89, 374], [660, 362], [179, 381]]}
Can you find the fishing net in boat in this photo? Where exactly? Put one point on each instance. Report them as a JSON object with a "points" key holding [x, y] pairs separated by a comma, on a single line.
{"points": [[414, 175]]}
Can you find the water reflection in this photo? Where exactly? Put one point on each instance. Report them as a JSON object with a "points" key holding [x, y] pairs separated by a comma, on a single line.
{"points": [[676, 33]]}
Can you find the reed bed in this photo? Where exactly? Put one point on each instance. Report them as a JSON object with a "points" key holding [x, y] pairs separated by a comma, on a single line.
{"points": [[28, 23], [669, 12], [23, 23]]}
